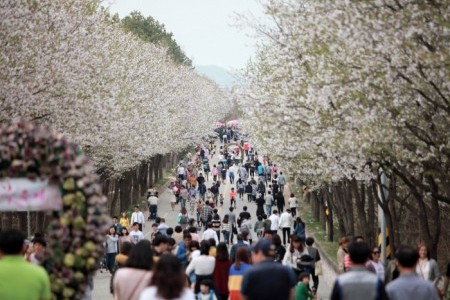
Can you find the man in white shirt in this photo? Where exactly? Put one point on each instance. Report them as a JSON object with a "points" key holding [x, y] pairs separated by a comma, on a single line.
{"points": [[181, 172], [275, 221], [136, 234], [286, 224], [210, 234], [138, 217], [153, 203]]}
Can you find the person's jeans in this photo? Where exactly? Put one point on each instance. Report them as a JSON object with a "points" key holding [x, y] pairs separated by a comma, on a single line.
{"points": [[294, 211], [286, 230], [226, 236], [110, 259], [241, 193], [218, 235], [268, 209], [249, 197], [153, 211]]}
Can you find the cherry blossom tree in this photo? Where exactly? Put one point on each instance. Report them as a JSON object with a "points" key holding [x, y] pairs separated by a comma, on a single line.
{"points": [[341, 89]]}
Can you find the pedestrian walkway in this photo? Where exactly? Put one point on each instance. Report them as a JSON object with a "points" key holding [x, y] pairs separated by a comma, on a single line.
{"points": [[102, 280], [326, 280]]}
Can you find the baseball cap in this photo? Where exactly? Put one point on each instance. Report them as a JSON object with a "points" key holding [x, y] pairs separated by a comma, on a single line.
{"points": [[263, 245]]}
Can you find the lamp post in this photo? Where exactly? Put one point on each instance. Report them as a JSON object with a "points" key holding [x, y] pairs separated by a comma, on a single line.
{"points": [[384, 188]]}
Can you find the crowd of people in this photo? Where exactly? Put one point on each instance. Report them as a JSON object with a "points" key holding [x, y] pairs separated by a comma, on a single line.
{"points": [[217, 249]]}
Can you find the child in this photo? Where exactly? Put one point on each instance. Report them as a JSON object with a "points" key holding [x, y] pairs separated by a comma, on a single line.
{"points": [[221, 199], [302, 291], [206, 293]]}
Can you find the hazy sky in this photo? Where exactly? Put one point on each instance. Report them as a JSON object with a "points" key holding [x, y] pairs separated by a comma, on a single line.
{"points": [[203, 28]]}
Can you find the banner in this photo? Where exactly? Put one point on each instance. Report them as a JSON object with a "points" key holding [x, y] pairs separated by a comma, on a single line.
{"points": [[22, 194]]}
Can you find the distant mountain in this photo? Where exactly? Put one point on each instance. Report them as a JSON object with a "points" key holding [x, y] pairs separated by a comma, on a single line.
{"points": [[220, 75]]}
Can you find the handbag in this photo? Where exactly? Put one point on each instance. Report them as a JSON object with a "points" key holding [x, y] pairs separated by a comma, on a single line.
{"points": [[318, 268], [234, 229]]}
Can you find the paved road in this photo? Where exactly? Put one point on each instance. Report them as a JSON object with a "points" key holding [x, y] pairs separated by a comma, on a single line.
{"points": [[101, 280]]}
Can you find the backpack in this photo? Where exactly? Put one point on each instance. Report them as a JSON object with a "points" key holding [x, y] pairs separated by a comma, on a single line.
{"points": [[244, 228], [183, 219]]}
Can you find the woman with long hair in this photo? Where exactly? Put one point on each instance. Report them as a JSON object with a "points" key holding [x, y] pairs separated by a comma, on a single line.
{"points": [[280, 251], [183, 218], [134, 277], [221, 271], [237, 271], [226, 229], [125, 237], [111, 248], [293, 256], [299, 228], [202, 266], [342, 251], [168, 281], [427, 267], [124, 221]]}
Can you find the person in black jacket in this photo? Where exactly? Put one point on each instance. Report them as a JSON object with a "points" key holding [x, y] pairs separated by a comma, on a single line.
{"points": [[249, 191], [279, 198]]}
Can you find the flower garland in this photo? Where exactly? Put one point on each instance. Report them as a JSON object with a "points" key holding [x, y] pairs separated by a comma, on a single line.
{"points": [[76, 233]]}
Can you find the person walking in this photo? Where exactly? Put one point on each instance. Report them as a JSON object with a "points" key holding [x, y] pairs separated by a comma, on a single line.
{"points": [[285, 224], [124, 221], [18, 278], [274, 222], [294, 254], [281, 181], [131, 280], [136, 235], [292, 201], [216, 224], [409, 285], [279, 198], [269, 200], [348, 285], [153, 203], [237, 271], [226, 229], [168, 281], [376, 263], [299, 228], [341, 253], [112, 242], [260, 205], [222, 271], [280, 251], [232, 219], [314, 252], [249, 191], [210, 233], [240, 244], [138, 217], [202, 266], [240, 188], [267, 280], [427, 268]]}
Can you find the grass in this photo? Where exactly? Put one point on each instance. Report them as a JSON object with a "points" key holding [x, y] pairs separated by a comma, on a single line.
{"points": [[167, 175], [315, 229]]}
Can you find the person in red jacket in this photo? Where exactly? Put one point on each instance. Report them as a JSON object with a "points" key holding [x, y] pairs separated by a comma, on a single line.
{"points": [[222, 271]]}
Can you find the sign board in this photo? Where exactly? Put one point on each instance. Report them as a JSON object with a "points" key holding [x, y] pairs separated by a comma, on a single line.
{"points": [[22, 194]]}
